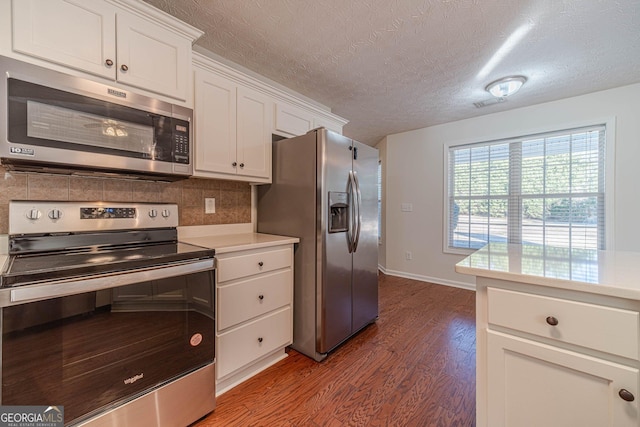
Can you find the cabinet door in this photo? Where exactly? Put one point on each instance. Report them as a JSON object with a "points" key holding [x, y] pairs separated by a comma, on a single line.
{"points": [[215, 124], [533, 384], [254, 134], [151, 57], [292, 120], [75, 33]]}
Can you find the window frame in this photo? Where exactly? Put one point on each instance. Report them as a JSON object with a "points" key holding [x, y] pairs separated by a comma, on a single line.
{"points": [[609, 172]]}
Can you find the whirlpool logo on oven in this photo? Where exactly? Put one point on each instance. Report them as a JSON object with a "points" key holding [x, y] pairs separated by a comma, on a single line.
{"points": [[31, 416], [134, 378]]}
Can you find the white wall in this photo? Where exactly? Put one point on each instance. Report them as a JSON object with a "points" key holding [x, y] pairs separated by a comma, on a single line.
{"points": [[382, 153], [414, 169]]}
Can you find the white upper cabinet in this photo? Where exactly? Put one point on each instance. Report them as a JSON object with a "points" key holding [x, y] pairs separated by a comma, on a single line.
{"points": [[333, 125], [151, 57], [79, 34], [254, 113], [232, 129], [97, 37], [292, 120], [215, 124]]}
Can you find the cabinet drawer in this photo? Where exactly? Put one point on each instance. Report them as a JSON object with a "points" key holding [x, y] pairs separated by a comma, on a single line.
{"points": [[606, 329], [249, 342], [235, 267], [253, 297]]}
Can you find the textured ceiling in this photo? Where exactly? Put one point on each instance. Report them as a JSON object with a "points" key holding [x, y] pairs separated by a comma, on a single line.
{"points": [[394, 65]]}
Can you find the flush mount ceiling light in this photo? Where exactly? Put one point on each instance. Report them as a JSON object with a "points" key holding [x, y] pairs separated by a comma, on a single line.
{"points": [[506, 86]]}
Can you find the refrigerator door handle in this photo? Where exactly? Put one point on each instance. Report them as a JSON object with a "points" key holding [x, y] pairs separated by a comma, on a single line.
{"points": [[352, 201], [358, 203], [353, 211]]}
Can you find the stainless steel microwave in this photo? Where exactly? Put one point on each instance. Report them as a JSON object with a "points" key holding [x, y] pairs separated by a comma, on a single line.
{"points": [[54, 122]]}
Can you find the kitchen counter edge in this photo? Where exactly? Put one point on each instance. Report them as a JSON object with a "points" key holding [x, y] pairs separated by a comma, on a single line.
{"points": [[226, 243], [610, 273]]}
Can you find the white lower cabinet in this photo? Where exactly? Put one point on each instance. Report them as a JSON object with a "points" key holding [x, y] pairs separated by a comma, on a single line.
{"points": [[533, 384], [254, 312], [548, 357], [247, 343], [258, 295]]}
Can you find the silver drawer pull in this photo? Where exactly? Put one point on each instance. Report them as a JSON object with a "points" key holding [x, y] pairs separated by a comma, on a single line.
{"points": [[260, 297], [260, 339], [552, 321], [261, 263]]}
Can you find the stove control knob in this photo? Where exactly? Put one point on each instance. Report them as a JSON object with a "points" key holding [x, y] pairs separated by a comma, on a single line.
{"points": [[34, 214], [153, 213], [166, 213], [55, 214]]}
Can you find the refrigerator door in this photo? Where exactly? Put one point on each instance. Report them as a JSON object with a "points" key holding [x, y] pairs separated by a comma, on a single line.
{"points": [[365, 256], [334, 308]]}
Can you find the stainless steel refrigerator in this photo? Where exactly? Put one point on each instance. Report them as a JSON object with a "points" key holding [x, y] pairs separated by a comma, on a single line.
{"points": [[324, 191]]}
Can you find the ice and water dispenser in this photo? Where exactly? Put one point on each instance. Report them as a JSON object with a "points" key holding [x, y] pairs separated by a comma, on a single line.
{"points": [[338, 211]]}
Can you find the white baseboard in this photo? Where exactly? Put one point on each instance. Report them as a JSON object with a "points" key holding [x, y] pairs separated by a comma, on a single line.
{"points": [[421, 278]]}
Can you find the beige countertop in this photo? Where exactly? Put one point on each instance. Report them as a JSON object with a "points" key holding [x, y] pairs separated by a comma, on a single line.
{"points": [[612, 273], [225, 243]]}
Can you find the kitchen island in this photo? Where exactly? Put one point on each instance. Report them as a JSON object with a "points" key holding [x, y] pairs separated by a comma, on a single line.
{"points": [[558, 334], [254, 300]]}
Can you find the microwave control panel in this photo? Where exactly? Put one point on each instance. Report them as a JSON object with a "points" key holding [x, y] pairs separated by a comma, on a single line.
{"points": [[181, 143]]}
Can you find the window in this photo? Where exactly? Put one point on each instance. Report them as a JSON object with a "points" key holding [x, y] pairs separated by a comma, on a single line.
{"points": [[545, 189]]}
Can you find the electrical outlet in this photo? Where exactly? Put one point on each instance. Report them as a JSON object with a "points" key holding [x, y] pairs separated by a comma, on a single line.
{"points": [[209, 205], [408, 255]]}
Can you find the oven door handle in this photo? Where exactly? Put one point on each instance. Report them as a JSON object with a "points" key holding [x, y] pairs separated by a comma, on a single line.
{"points": [[113, 280]]}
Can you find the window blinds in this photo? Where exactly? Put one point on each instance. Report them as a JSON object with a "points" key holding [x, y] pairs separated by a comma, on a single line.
{"points": [[545, 189]]}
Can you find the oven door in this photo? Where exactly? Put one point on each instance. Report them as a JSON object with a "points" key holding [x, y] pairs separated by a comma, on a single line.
{"points": [[94, 350]]}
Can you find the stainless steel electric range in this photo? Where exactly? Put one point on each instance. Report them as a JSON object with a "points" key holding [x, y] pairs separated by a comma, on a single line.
{"points": [[105, 313]]}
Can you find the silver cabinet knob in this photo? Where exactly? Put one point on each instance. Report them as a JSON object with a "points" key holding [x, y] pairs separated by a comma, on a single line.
{"points": [[153, 213], [123, 67], [166, 213], [241, 165], [234, 164], [34, 214], [55, 214], [109, 62]]}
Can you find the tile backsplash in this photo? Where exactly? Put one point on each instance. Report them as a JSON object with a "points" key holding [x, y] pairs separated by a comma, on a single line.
{"points": [[233, 199]]}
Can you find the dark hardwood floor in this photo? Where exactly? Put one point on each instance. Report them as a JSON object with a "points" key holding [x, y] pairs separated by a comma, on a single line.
{"points": [[414, 367]]}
